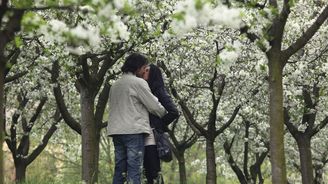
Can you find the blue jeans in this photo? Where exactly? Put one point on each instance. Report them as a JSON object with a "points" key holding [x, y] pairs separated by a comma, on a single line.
{"points": [[129, 150]]}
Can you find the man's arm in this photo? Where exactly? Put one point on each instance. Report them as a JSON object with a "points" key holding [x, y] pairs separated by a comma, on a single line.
{"points": [[149, 100]]}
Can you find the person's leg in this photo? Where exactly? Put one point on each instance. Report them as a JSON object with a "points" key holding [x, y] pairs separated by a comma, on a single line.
{"points": [[120, 160], [151, 164], [135, 150]]}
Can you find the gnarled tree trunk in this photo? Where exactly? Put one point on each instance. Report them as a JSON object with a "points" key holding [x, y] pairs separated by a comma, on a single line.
{"points": [[304, 146], [20, 171], [210, 162], [90, 138], [182, 168]]}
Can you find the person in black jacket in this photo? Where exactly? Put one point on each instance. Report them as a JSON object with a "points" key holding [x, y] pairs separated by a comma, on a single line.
{"points": [[151, 160]]}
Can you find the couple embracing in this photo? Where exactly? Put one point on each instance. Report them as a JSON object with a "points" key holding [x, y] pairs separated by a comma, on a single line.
{"points": [[138, 103]]}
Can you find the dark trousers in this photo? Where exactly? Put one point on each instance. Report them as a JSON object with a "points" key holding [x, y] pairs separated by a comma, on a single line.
{"points": [[152, 165]]}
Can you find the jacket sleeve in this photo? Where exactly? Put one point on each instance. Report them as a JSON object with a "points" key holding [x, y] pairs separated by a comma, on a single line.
{"points": [[171, 108], [150, 101]]}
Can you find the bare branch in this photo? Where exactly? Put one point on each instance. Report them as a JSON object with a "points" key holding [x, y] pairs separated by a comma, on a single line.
{"points": [[68, 8], [13, 26], [37, 113], [68, 118], [15, 77], [36, 152], [102, 101], [12, 59], [188, 115], [308, 34], [320, 126], [227, 124], [292, 128], [234, 166], [3, 9]]}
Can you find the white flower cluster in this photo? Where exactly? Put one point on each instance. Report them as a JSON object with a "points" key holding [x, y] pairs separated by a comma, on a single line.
{"points": [[57, 31], [88, 33], [302, 127], [229, 55], [192, 13], [118, 30]]}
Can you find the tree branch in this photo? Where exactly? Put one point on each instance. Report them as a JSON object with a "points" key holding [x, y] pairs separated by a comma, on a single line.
{"points": [[12, 59], [309, 33], [102, 101], [13, 26], [320, 126], [36, 152], [251, 36], [109, 61], [3, 9], [13, 128], [37, 112], [69, 120], [85, 70], [69, 8], [188, 115], [227, 124], [24, 143], [292, 129], [246, 149], [16, 76], [227, 149]]}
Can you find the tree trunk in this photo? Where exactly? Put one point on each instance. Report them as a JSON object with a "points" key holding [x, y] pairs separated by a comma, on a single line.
{"points": [[304, 146], [318, 179], [90, 139], [210, 162], [2, 118], [278, 164], [182, 168], [20, 172]]}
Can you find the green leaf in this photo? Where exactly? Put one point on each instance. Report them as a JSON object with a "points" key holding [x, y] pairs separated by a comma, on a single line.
{"points": [[9, 65], [218, 60], [198, 5], [127, 9], [32, 21], [22, 3], [292, 3], [263, 67], [253, 3], [52, 2], [179, 16], [18, 41]]}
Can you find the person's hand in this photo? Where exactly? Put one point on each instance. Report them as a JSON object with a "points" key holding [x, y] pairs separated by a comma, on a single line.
{"points": [[146, 73]]}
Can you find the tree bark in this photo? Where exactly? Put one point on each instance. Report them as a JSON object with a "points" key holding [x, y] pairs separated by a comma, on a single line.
{"points": [[246, 150], [234, 166], [2, 118], [304, 146], [90, 138], [210, 162], [277, 154], [20, 172], [182, 168], [318, 174]]}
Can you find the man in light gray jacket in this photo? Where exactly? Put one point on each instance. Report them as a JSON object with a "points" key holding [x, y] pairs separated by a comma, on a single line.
{"points": [[130, 101]]}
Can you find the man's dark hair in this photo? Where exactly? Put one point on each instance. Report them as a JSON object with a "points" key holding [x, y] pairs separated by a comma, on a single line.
{"points": [[133, 62]]}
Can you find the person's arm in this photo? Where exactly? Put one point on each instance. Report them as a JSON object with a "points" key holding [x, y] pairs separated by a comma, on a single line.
{"points": [[171, 108], [149, 100]]}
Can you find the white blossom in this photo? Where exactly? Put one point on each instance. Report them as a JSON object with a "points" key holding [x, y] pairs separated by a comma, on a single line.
{"points": [[302, 127]]}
